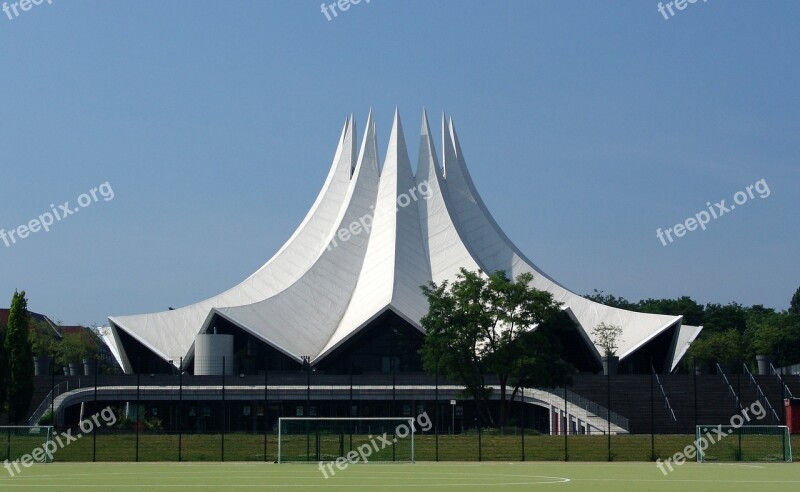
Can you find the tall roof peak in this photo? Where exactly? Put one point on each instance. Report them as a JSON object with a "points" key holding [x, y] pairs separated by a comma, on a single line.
{"points": [[425, 128]]}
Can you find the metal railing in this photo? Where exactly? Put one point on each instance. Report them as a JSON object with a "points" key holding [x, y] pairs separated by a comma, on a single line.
{"points": [[787, 391], [48, 400], [730, 387], [664, 394], [761, 396], [326, 386], [592, 407]]}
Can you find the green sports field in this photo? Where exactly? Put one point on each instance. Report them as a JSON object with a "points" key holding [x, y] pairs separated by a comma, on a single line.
{"points": [[219, 477]]}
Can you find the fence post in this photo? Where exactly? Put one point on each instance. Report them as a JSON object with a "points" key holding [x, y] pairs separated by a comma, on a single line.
{"points": [[394, 399], [316, 445], [224, 416], [522, 420], [94, 408], [608, 413], [350, 403], [180, 410], [138, 423], [266, 407], [739, 397], [782, 388], [307, 367], [480, 444], [566, 434], [652, 414], [436, 406], [53, 393], [350, 409], [694, 376]]}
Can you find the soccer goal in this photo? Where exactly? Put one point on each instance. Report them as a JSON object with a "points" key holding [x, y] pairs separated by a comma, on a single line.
{"points": [[354, 439], [26, 441], [745, 443]]}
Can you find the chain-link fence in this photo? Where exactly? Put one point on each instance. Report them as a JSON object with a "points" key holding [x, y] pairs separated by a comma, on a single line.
{"points": [[234, 417]]}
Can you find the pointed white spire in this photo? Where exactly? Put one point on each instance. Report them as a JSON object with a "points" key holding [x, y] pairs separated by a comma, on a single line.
{"points": [[445, 251], [351, 143], [397, 149], [449, 151], [369, 145], [427, 162]]}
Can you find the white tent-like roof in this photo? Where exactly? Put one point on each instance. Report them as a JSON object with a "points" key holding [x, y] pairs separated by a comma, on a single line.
{"points": [[368, 243]]}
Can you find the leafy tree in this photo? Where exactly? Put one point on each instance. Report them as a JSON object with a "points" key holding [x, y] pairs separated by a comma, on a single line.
{"points": [[481, 326], [693, 313], [20, 359], [794, 306], [540, 363], [775, 334], [607, 337], [719, 318], [43, 342], [725, 347], [757, 311], [766, 339], [731, 347], [789, 350], [762, 332], [74, 347], [610, 300]]}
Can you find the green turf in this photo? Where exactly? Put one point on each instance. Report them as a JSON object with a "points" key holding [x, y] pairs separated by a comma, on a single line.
{"points": [[551, 476]]}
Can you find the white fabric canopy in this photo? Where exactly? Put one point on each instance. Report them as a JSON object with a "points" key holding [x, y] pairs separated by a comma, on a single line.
{"points": [[366, 246]]}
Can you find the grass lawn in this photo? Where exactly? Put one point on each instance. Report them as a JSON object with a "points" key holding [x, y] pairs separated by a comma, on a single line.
{"points": [[551, 476], [250, 447]]}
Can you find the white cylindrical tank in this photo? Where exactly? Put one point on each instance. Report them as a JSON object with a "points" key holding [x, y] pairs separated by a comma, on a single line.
{"points": [[209, 351]]}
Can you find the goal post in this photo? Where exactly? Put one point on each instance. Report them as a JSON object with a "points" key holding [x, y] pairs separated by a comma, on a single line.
{"points": [[346, 439], [26, 442], [715, 443]]}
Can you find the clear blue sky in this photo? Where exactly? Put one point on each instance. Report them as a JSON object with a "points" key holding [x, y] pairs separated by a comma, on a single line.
{"points": [[587, 125]]}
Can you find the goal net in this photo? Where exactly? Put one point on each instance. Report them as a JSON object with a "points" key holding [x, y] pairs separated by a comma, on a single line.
{"points": [[21, 442], [745, 443], [356, 440]]}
